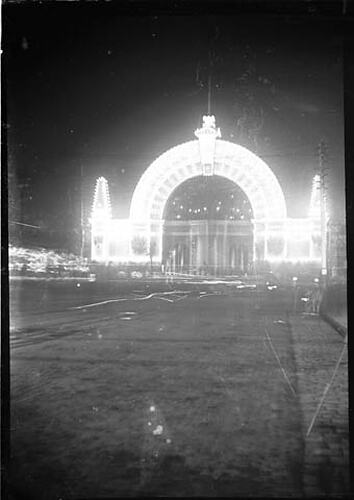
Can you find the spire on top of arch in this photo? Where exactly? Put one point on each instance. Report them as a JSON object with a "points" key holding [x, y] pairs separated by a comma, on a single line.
{"points": [[101, 207]]}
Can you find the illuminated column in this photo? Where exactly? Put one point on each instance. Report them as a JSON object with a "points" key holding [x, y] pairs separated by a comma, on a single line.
{"points": [[215, 242], [254, 253], [311, 244], [174, 260], [285, 239], [155, 238], [315, 209], [190, 259], [315, 200], [100, 221], [311, 234], [266, 242], [253, 243], [322, 174], [225, 263], [199, 251]]}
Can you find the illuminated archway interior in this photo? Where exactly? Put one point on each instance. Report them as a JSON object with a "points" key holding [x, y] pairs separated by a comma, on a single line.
{"points": [[208, 198], [206, 218], [139, 238]]}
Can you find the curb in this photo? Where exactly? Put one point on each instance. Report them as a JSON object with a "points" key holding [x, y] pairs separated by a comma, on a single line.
{"points": [[342, 330]]}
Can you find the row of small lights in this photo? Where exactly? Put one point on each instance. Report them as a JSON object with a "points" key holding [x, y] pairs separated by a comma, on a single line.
{"points": [[205, 209], [103, 184]]}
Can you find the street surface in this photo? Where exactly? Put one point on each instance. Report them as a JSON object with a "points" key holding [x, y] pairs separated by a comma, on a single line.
{"points": [[182, 389]]}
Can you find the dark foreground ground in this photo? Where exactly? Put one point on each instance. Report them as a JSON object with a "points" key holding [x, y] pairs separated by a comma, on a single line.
{"points": [[200, 391]]}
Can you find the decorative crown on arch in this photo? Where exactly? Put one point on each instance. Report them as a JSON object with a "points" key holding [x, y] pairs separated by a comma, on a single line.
{"points": [[209, 121], [207, 136], [208, 128]]}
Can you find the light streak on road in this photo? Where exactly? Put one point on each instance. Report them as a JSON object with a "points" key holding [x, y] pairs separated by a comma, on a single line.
{"points": [[209, 295], [156, 295]]}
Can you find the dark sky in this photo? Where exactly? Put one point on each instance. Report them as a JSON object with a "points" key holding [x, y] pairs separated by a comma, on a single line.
{"points": [[89, 87]]}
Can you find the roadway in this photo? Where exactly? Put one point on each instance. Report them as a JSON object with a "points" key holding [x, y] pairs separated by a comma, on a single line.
{"points": [[148, 388]]}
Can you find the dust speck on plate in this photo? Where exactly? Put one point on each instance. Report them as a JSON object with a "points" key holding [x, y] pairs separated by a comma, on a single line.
{"points": [[158, 431]]}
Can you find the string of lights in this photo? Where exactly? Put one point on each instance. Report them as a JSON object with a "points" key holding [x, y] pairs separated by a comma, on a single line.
{"points": [[196, 199]]}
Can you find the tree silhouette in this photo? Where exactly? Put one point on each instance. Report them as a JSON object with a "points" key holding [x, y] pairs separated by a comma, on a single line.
{"points": [[139, 245]]}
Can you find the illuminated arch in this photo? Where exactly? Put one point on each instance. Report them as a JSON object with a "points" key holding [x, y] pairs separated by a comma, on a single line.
{"points": [[182, 162]]}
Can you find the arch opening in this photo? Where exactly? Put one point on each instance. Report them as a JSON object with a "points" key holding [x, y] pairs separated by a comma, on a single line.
{"points": [[204, 218], [208, 198]]}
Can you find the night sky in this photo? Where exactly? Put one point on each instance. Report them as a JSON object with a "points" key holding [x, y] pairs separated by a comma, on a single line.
{"points": [[93, 91]]}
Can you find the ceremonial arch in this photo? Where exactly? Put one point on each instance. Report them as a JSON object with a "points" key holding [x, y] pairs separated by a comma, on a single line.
{"points": [[207, 156]]}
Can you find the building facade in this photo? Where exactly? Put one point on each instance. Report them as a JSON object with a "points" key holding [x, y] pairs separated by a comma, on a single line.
{"points": [[214, 245]]}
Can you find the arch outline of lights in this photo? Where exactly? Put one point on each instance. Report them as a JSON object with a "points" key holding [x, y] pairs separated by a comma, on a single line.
{"points": [[182, 162], [208, 156]]}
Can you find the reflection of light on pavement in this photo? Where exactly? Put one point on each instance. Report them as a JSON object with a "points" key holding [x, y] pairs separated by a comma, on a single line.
{"points": [[216, 282], [156, 295], [164, 298], [272, 287], [181, 298], [209, 295], [127, 315]]}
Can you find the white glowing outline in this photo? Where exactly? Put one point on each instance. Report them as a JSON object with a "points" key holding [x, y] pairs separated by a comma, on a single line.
{"points": [[101, 219], [101, 188], [182, 162]]}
